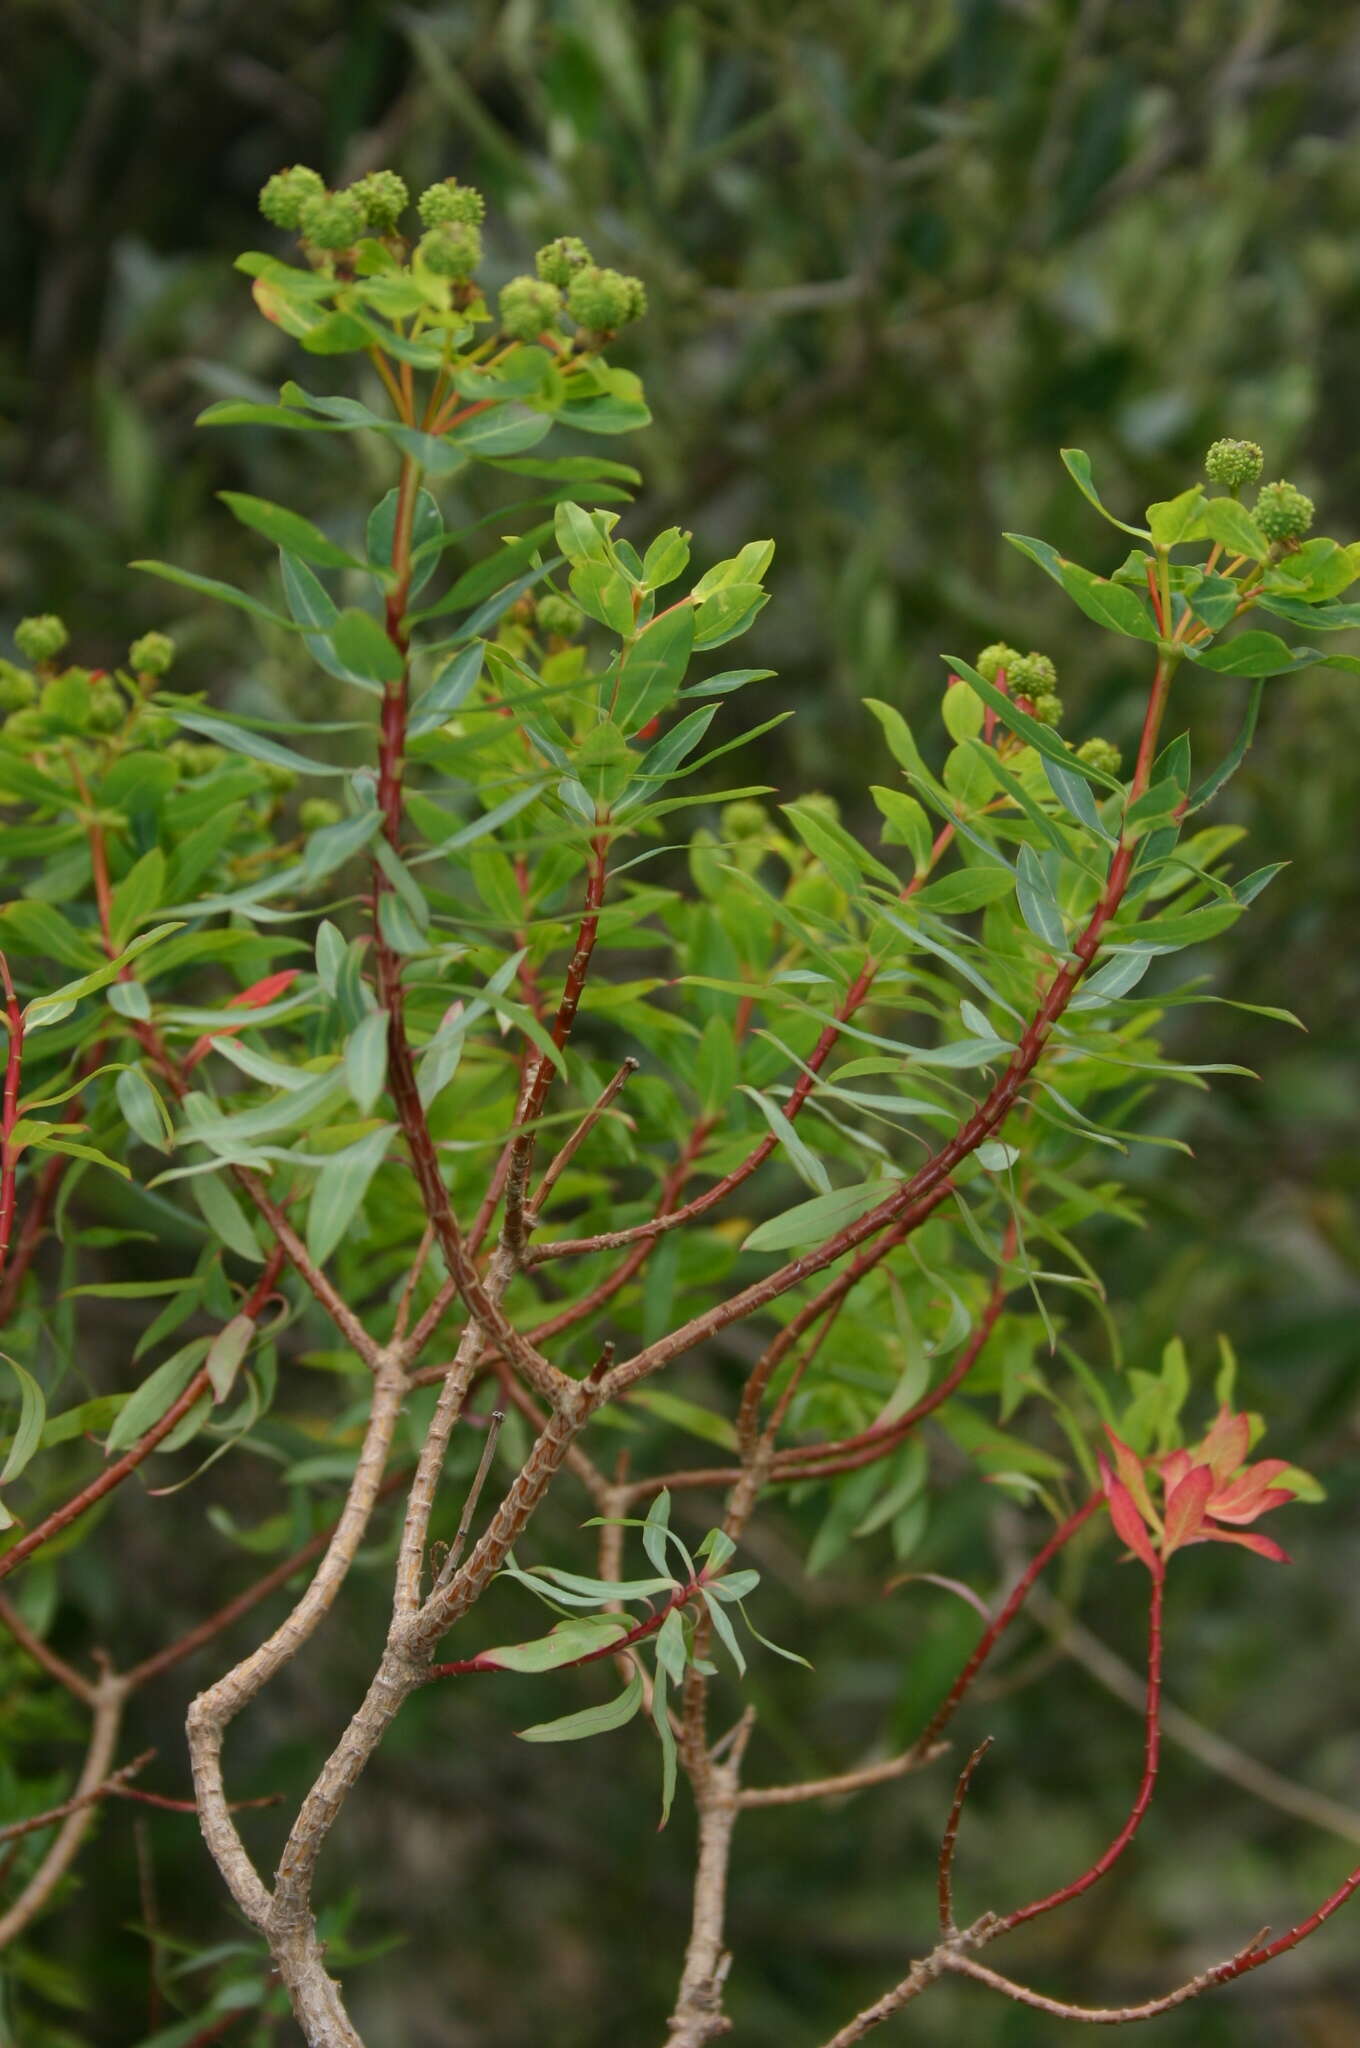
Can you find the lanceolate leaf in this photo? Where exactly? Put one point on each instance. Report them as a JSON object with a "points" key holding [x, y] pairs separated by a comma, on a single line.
{"points": [[590, 1720]]}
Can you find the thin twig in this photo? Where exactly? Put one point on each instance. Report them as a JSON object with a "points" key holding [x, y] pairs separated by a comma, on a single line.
{"points": [[450, 1564]]}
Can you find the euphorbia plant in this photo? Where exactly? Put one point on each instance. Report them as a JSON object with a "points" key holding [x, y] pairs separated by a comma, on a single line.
{"points": [[466, 1081]]}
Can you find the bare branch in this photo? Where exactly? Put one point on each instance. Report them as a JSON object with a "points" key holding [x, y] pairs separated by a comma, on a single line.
{"points": [[846, 1782], [107, 1697]]}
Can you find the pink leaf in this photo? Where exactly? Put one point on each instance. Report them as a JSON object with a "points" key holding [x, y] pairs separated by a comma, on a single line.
{"points": [[1185, 1507]]}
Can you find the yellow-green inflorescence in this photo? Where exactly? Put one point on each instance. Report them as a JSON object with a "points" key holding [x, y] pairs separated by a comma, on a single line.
{"points": [[1282, 512], [1232, 464], [42, 638]]}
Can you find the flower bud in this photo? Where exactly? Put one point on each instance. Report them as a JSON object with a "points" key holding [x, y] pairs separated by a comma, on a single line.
{"points": [[558, 615], [450, 204], [17, 687], [332, 220], [278, 777], [558, 262], [527, 306], [1031, 675], [1102, 754], [743, 820], [107, 708], [1047, 707], [995, 658], [1281, 512], [287, 192], [41, 638], [384, 198], [152, 655], [603, 299], [154, 729], [452, 251], [821, 805], [317, 812], [1233, 463], [25, 726]]}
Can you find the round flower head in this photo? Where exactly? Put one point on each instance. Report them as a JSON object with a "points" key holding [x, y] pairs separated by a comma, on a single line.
{"points": [[1047, 707], [558, 262], [527, 306], [1282, 512], [558, 615], [152, 655], [1102, 754], [744, 819], [453, 251], [107, 708], [450, 204], [1233, 463], [384, 198], [1032, 675], [287, 192], [17, 687], [335, 220], [41, 638], [821, 805], [601, 299], [995, 658], [316, 812]]}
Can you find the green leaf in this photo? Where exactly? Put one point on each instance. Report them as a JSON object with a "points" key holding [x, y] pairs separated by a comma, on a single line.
{"points": [[727, 613], [288, 530], [1253, 654], [503, 430], [1041, 737], [209, 586], [715, 1066], [50, 1009], [605, 593], [149, 1402], [813, 1222], [1173, 520], [687, 1415], [1214, 601], [258, 745], [582, 1636], [591, 1720], [1038, 903], [653, 668], [905, 824], [1111, 605], [29, 1427], [136, 896], [340, 1189], [225, 1217], [1077, 463], [1232, 526], [967, 889], [804, 1162], [427, 536], [666, 558], [143, 1109], [362, 645], [226, 1353], [366, 1061]]}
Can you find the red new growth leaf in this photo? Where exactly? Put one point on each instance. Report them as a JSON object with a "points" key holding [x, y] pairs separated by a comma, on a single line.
{"points": [[1202, 1488], [253, 998]]}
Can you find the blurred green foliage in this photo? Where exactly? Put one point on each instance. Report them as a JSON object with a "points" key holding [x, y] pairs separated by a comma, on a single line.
{"points": [[896, 254]]}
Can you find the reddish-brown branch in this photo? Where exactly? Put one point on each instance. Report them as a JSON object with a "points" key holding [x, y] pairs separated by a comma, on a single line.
{"points": [[114, 1475], [1152, 1731], [36, 1213], [115, 1782], [944, 1887], [993, 1633]]}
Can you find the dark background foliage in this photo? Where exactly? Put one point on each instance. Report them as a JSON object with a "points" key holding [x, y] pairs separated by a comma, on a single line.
{"points": [[896, 254]]}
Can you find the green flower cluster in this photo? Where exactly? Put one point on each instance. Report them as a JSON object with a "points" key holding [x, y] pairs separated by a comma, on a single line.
{"points": [[1233, 464], [1282, 512], [1031, 676]]}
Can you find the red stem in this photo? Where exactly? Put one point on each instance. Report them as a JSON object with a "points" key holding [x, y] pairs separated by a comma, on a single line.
{"points": [[994, 1631], [114, 1475], [1152, 1731]]}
